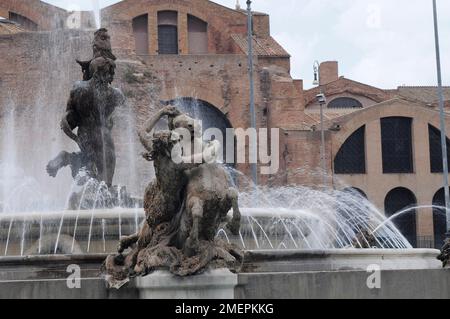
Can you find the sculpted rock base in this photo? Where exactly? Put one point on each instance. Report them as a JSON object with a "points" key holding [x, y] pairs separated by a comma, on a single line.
{"points": [[162, 254]]}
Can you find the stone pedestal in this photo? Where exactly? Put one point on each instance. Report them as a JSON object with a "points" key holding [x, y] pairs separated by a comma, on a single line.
{"points": [[215, 284]]}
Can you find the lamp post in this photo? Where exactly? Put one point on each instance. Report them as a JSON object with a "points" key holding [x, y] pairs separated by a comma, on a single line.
{"points": [[322, 101], [253, 143], [442, 118]]}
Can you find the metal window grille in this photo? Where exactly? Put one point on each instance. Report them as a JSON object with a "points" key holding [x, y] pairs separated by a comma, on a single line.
{"points": [[399, 200], [168, 39], [396, 136], [436, 149], [345, 103], [351, 158]]}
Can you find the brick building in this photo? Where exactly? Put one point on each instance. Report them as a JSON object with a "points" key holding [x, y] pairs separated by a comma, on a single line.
{"points": [[382, 143]]}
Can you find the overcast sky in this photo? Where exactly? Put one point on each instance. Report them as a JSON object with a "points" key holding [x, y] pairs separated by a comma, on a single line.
{"points": [[384, 43]]}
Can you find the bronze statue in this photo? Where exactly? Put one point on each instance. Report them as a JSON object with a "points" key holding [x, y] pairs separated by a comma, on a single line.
{"points": [[445, 253], [101, 47], [185, 207], [209, 198], [90, 109], [364, 239]]}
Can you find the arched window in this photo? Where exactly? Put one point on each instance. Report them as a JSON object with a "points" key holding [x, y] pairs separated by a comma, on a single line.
{"points": [[198, 35], [436, 149], [345, 103], [439, 219], [23, 21], [140, 32], [396, 139], [396, 201], [355, 191], [351, 158], [168, 32]]}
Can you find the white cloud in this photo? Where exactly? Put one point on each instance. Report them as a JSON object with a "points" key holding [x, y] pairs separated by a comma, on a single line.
{"points": [[380, 42]]}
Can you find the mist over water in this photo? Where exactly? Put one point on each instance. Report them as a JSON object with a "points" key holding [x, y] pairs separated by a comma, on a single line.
{"points": [[97, 12], [273, 218]]}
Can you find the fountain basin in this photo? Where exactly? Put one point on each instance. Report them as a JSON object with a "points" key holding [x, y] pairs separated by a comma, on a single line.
{"points": [[99, 230], [340, 260], [261, 261], [266, 274]]}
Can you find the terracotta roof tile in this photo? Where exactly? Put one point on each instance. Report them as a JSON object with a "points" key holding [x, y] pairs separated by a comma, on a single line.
{"points": [[263, 46], [313, 118], [427, 94], [346, 85]]}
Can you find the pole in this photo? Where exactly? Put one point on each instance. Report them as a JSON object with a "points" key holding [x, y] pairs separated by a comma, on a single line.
{"points": [[253, 143], [322, 129], [442, 117], [322, 146]]}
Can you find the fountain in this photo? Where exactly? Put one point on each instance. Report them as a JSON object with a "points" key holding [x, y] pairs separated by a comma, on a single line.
{"points": [[291, 231]]}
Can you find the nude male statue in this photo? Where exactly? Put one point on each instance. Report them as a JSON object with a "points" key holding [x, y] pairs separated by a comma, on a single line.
{"points": [[90, 109]]}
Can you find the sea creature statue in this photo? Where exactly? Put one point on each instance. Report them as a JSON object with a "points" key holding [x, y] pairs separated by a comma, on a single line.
{"points": [[445, 253], [364, 240], [90, 109], [185, 207]]}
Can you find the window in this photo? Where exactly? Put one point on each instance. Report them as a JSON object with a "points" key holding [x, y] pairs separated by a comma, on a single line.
{"points": [[198, 36], [436, 149], [398, 200], [140, 32], [439, 219], [396, 139], [355, 192], [23, 21], [168, 32], [345, 103], [351, 158]]}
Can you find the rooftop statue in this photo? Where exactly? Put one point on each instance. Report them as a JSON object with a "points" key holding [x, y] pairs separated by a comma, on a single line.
{"points": [[185, 207]]}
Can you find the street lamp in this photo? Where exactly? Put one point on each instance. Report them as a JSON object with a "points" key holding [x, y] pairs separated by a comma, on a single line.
{"points": [[442, 118], [321, 98], [253, 144]]}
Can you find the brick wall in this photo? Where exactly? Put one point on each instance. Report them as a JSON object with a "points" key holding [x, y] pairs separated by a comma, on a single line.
{"points": [[329, 72], [222, 22], [46, 16], [219, 79], [302, 157]]}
